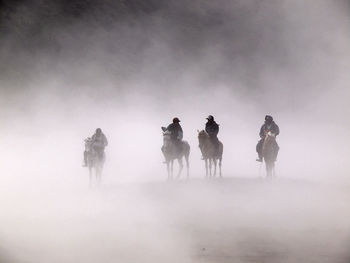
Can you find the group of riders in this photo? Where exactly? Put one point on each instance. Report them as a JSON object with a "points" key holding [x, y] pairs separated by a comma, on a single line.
{"points": [[97, 143], [176, 132], [212, 129]]}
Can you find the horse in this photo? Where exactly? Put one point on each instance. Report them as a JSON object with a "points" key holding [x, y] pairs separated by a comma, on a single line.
{"points": [[211, 154], [95, 162], [171, 151], [269, 152]]}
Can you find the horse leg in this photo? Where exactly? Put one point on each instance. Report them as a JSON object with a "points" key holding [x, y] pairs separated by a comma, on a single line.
{"points": [[99, 174], [172, 169], [168, 169], [268, 169], [96, 174], [210, 165], [215, 164], [206, 168], [181, 166], [220, 161], [100, 170], [187, 165], [90, 175]]}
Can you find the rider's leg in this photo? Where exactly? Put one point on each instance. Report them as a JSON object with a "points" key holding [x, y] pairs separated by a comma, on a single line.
{"points": [[179, 145], [216, 143]]}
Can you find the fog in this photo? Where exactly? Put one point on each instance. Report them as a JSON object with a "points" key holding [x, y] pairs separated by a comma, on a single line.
{"points": [[129, 67]]}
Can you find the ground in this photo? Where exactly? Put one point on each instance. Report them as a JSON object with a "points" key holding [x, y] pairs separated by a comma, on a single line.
{"points": [[219, 220]]}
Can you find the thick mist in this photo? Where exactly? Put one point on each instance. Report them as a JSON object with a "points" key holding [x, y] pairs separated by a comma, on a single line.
{"points": [[129, 67]]}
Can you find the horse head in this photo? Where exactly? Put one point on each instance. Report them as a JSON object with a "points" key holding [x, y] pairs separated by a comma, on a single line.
{"points": [[270, 147], [202, 136], [167, 138], [270, 137]]}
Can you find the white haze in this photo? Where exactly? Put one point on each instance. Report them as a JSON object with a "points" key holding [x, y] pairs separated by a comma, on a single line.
{"points": [[289, 59]]}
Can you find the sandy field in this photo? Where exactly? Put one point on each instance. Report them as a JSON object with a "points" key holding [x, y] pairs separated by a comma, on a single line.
{"points": [[218, 220]]}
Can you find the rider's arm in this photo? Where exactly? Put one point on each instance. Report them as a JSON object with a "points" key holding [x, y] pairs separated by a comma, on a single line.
{"points": [[207, 128], [262, 132], [179, 134], [277, 130]]}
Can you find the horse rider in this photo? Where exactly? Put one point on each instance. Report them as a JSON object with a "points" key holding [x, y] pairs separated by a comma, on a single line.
{"points": [[268, 126], [212, 128], [176, 133], [97, 142]]}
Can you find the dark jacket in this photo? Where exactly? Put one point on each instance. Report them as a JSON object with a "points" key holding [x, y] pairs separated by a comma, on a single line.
{"points": [[176, 131], [272, 127], [212, 128], [99, 141]]}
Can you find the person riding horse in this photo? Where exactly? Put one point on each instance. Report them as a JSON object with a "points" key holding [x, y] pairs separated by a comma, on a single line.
{"points": [[174, 148], [97, 142], [268, 126], [176, 133], [212, 128]]}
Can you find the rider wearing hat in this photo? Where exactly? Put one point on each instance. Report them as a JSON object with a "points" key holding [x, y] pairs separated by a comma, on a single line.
{"points": [[176, 130], [212, 128], [99, 140], [268, 126]]}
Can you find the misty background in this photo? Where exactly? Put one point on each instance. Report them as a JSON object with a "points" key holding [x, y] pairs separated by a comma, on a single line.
{"points": [[68, 67], [129, 67]]}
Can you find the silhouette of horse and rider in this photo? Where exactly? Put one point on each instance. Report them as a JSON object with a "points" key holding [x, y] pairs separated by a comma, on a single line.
{"points": [[175, 148], [94, 155], [210, 146], [267, 148]]}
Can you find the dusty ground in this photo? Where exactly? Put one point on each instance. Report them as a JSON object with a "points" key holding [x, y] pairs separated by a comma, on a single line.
{"points": [[227, 220]]}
